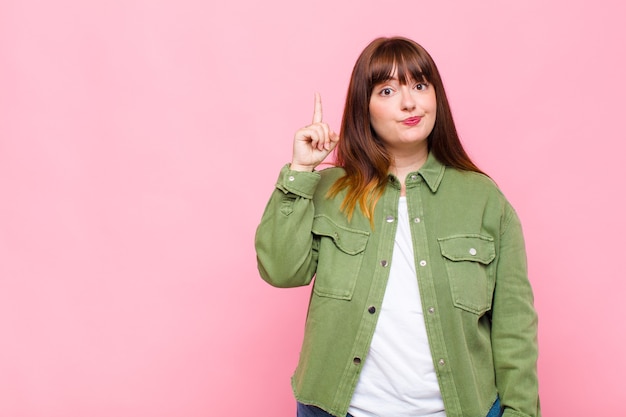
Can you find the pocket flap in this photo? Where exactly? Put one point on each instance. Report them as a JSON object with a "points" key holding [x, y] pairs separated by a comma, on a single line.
{"points": [[350, 241], [477, 248]]}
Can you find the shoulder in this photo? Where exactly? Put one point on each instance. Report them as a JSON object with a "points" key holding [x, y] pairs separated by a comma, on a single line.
{"points": [[323, 201], [474, 180], [329, 176], [471, 185], [473, 192]]}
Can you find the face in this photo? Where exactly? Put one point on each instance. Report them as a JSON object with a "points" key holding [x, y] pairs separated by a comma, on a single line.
{"points": [[403, 115]]}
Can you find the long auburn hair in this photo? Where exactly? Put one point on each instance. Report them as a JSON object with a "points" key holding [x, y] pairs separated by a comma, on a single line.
{"points": [[360, 152]]}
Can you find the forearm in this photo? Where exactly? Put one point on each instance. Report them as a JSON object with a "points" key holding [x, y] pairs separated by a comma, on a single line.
{"points": [[286, 256]]}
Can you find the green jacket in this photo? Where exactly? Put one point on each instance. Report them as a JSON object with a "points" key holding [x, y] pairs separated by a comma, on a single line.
{"points": [[471, 270]]}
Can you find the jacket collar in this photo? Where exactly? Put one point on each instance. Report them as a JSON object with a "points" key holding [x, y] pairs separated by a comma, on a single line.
{"points": [[432, 172]]}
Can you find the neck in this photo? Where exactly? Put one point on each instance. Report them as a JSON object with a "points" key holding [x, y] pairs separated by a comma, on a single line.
{"points": [[403, 164]]}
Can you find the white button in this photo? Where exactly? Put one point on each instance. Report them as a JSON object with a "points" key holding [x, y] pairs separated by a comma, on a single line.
{"points": [[472, 251], [413, 177], [431, 310], [423, 262], [389, 219], [417, 220], [442, 362], [291, 178], [383, 263]]}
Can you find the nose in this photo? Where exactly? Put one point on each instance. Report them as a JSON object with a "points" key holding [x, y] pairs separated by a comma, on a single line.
{"points": [[408, 101]]}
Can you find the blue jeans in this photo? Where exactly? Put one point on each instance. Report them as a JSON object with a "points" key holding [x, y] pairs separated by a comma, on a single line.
{"points": [[312, 411], [496, 409], [305, 410]]}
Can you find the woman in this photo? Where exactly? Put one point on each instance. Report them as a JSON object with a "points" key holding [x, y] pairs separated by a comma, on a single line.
{"points": [[421, 304]]}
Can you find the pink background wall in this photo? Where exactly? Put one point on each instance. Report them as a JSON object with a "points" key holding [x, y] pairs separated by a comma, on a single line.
{"points": [[140, 140]]}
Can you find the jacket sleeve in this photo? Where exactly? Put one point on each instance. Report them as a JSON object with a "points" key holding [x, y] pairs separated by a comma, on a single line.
{"points": [[514, 326], [285, 248]]}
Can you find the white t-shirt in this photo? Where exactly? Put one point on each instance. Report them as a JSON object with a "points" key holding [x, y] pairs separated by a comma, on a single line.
{"points": [[398, 377]]}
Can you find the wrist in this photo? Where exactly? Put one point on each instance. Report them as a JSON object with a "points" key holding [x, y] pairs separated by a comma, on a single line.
{"points": [[302, 168]]}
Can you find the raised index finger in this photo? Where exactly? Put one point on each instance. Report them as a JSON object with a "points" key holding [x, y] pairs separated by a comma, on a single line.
{"points": [[317, 112]]}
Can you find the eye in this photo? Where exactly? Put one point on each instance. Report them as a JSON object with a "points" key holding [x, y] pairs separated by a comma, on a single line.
{"points": [[386, 91], [421, 86]]}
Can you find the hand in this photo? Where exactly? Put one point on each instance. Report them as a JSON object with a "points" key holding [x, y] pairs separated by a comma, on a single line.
{"points": [[314, 142]]}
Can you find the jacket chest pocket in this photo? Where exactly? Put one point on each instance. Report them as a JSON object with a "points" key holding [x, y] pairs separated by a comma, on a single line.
{"points": [[340, 255], [468, 259]]}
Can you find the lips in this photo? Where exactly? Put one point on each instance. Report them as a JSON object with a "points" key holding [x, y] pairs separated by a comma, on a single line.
{"points": [[412, 121]]}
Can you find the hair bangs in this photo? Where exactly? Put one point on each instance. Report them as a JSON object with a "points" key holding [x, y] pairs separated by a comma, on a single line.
{"points": [[399, 60]]}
